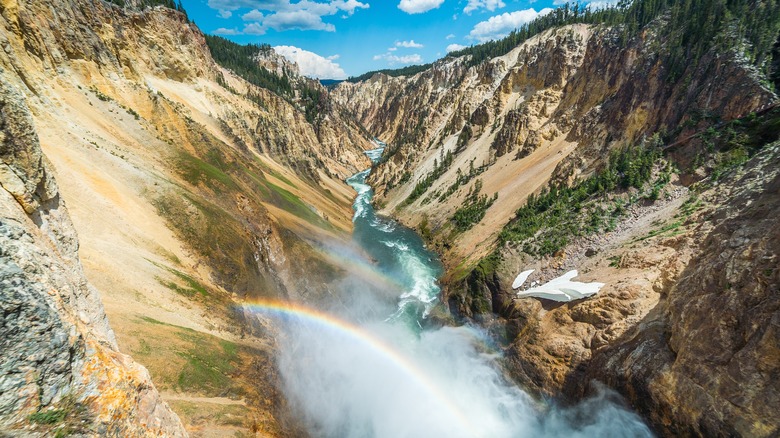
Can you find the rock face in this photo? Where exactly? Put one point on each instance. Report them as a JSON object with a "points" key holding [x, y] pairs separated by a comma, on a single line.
{"points": [[192, 191], [706, 360], [686, 324], [549, 110], [61, 369], [685, 327]]}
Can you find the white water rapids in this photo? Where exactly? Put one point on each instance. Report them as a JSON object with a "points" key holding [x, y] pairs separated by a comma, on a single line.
{"points": [[373, 370]]}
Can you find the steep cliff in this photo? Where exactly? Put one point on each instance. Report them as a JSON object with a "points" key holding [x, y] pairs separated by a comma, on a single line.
{"points": [[646, 175], [61, 370], [192, 191], [549, 110]]}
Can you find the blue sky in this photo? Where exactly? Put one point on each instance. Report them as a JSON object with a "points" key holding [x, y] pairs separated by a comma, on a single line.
{"points": [[339, 38]]}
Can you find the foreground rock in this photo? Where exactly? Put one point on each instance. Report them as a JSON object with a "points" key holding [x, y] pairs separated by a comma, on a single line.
{"points": [[706, 360], [60, 369]]}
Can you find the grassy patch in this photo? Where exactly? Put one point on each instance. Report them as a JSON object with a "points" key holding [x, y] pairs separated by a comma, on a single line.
{"points": [[156, 322], [267, 169], [195, 171], [549, 221], [209, 366], [692, 204], [288, 201], [186, 360], [48, 417], [214, 234], [190, 287], [670, 229], [67, 417]]}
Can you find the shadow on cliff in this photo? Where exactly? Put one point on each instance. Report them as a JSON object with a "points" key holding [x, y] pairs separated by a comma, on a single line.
{"points": [[704, 361]]}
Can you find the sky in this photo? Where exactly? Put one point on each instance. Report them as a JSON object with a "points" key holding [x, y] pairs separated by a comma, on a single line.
{"points": [[334, 39]]}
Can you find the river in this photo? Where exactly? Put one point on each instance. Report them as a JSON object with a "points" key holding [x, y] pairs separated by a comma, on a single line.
{"points": [[375, 371]]}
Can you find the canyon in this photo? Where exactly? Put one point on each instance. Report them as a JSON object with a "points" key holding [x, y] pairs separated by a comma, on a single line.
{"points": [[151, 196]]}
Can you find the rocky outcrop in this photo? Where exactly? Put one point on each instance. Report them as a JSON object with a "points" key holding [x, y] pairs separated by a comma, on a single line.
{"points": [[685, 327], [551, 109], [192, 191], [61, 371], [705, 361]]}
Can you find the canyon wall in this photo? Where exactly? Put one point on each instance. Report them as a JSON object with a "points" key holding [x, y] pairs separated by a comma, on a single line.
{"points": [[192, 192], [549, 110], [671, 330]]}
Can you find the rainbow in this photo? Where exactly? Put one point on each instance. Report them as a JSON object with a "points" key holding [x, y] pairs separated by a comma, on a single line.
{"points": [[358, 264], [366, 339]]}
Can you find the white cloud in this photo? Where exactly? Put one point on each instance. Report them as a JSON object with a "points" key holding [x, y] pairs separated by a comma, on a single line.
{"points": [[312, 64], [450, 36], [333, 57], [254, 29], [300, 20], [455, 47], [224, 14], [409, 44], [490, 5], [499, 26], [253, 15], [392, 49], [225, 31], [418, 6], [282, 15], [395, 59]]}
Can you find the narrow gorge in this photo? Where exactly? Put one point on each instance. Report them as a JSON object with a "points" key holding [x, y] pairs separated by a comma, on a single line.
{"points": [[198, 239]]}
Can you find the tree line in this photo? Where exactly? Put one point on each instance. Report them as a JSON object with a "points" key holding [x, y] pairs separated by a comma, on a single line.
{"points": [[693, 27]]}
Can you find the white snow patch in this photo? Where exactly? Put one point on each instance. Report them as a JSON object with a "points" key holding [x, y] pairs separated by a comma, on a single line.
{"points": [[560, 289], [521, 279]]}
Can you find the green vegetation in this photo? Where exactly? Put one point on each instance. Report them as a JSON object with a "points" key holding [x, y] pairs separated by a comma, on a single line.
{"points": [[241, 60], [427, 181], [690, 205], [474, 209], [288, 201], [404, 71], [209, 364], [463, 179], [99, 94], [313, 101], [315, 104], [209, 171], [216, 235], [192, 288], [274, 173], [727, 146], [669, 229], [133, 113], [548, 221], [66, 418], [694, 27], [51, 416], [196, 362]]}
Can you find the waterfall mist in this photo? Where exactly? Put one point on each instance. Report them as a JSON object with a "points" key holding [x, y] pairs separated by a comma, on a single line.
{"points": [[367, 368]]}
